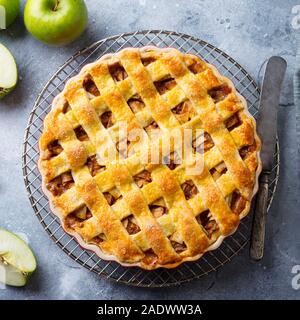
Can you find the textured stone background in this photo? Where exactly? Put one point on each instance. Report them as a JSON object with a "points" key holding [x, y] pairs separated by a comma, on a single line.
{"points": [[249, 31]]}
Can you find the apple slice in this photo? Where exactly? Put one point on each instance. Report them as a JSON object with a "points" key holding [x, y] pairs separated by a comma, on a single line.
{"points": [[17, 261], [8, 71]]}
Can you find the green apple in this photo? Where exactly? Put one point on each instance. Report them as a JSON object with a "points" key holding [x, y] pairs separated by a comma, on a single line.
{"points": [[11, 8], [55, 22], [8, 71], [17, 261]]}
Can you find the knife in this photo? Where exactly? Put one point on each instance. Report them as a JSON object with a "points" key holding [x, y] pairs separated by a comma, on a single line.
{"points": [[267, 131]]}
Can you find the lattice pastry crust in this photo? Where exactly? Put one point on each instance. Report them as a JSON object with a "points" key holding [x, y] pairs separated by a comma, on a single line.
{"points": [[139, 214]]}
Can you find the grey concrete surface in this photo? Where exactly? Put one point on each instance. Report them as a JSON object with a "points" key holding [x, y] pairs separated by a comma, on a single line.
{"points": [[249, 31]]}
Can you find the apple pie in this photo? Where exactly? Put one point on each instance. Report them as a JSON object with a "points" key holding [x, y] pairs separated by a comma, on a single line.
{"points": [[141, 213]]}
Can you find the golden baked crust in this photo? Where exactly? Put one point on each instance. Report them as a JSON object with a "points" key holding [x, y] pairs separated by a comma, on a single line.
{"points": [[143, 214]]}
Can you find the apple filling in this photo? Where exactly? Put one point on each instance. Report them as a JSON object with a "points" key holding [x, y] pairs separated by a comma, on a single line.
{"points": [[163, 86], [54, 149], [136, 104], [203, 144], [98, 239], [197, 67], [112, 196], [81, 134], [125, 146], [60, 184], [117, 72], [107, 119], [184, 112], [247, 150], [148, 60], [233, 122], [152, 129], [237, 202], [189, 189], [66, 107], [90, 86], [158, 208], [150, 258], [219, 93], [218, 170], [94, 166], [142, 178], [130, 224], [75, 218], [206, 220], [173, 160], [178, 247]]}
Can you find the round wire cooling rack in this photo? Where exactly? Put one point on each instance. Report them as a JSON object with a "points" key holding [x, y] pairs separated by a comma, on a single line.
{"points": [[212, 260]]}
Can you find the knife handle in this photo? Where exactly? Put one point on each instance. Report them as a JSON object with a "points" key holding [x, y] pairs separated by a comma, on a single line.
{"points": [[259, 222]]}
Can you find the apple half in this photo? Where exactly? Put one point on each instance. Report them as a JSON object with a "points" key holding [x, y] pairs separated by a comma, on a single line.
{"points": [[8, 71], [17, 261]]}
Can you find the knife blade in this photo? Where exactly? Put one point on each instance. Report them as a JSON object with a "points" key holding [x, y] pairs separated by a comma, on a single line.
{"points": [[267, 115], [267, 131]]}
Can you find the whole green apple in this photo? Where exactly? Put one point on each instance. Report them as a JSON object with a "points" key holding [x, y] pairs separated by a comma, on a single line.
{"points": [[55, 22], [11, 10]]}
